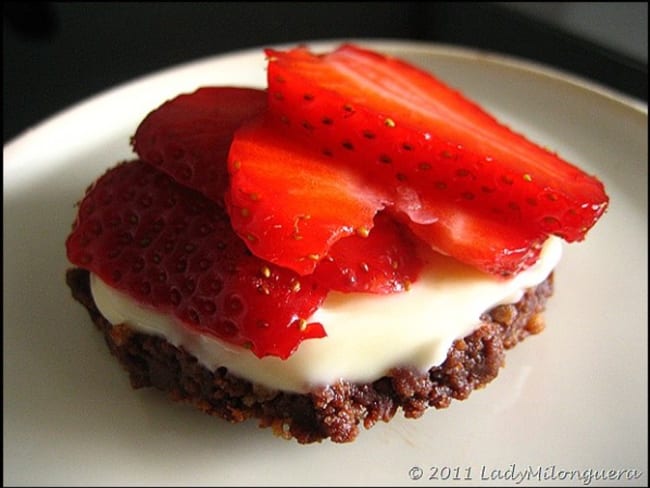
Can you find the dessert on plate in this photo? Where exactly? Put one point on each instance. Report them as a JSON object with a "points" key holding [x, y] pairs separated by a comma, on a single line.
{"points": [[356, 239]]}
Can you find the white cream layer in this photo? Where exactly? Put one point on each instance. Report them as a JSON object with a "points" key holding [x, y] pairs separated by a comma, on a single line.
{"points": [[367, 335]]}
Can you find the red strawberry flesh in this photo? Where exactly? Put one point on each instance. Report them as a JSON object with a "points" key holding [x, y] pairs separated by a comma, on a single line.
{"points": [[387, 260], [409, 130], [189, 136], [490, 246], [172, 249], [290, 203]]}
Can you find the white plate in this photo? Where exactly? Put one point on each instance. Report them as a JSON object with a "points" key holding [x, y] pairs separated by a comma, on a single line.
{"points": [[570, 400]]}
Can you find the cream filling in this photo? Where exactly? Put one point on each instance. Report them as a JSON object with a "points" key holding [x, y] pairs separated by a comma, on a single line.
{"points": [[367, 335]]}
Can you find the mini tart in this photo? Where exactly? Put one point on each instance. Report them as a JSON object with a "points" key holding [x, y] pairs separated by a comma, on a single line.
{"points": [[336, 411]]}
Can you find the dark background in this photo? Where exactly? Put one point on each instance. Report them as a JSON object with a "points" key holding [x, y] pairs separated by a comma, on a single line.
{"points": [[56, 54]]}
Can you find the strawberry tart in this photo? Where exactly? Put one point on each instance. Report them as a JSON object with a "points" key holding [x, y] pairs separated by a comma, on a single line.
{"points": [[355, 240]]}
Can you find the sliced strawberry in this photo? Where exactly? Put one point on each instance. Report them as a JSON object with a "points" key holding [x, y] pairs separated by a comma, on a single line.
{"points": [[291, 203], [298, 208], [188, 137], [385, 261], [170, 248], [488, 245], [414, 134]]}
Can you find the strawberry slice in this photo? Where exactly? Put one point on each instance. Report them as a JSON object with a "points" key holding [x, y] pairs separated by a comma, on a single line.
{"points": [[188, 137], [387, 260], [490, 246], [170, 248], [291, 203], [413, 134]]}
